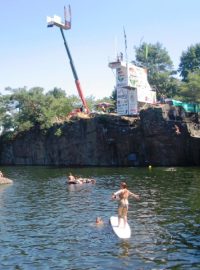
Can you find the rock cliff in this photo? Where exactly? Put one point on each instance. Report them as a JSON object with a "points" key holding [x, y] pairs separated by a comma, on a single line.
{"points": [[160, 136]]}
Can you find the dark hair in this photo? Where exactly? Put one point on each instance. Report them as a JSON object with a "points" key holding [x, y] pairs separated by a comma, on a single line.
{"points": [[123, 184]]}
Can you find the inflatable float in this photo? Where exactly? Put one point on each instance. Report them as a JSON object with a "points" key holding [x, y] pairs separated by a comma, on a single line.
{"points": [[80, 181], [4, 180]]}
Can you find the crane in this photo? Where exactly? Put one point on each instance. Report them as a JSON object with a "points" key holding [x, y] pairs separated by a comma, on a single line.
{"points": [[56, 21]]}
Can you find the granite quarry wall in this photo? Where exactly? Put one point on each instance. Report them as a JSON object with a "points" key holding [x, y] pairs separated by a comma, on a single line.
{"points": [[160, 136]]}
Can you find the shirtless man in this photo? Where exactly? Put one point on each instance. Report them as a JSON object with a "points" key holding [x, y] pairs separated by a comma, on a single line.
{"points": [[73, 180], [123, 195]]}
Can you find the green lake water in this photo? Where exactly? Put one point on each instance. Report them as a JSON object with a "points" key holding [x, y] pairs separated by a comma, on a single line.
{"points": [[46, 224]]}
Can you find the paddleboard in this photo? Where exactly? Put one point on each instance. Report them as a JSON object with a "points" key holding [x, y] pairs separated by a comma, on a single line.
{"points": [[121, 232]]}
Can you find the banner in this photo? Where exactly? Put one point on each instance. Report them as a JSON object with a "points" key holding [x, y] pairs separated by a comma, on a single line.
{"points": [[138, 77], [132, 102], [146, 96], [127, 101], [121, 76], [122, 101]]}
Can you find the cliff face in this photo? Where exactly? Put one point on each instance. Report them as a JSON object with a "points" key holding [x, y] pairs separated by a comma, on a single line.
{"points": [[157, 137]]}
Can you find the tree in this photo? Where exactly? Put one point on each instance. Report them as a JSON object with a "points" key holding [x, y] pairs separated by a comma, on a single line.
{"points": [[154, 57], [57, 93], [2, 109], [28, 108], [160, 68], [190, 90], [189, 61], [23, 109], [113, 97]]}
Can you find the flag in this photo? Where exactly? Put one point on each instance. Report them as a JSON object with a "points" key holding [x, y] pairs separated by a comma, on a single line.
{"points": [[125, 39], [146, 51]]}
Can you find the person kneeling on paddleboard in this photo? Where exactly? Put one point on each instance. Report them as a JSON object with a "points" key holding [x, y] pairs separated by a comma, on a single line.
{"points": [[122, 196]]}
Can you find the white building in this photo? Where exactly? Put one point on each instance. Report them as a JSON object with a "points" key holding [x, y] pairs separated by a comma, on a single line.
{"points": [[133, 89]]}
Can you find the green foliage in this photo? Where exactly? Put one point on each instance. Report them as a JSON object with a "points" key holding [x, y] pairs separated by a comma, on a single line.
{"points": [[160, 69], [154, 57], [90, 102], [24, 108], [33, 108], [57, 93], [24, 126], [2, 109], [113, 97], [189, 61], [164, 84], [6, 119], [190, 90], [58, 132]]}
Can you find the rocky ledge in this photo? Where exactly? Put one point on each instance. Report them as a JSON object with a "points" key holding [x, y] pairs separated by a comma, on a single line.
{"points": [[159, 136]]}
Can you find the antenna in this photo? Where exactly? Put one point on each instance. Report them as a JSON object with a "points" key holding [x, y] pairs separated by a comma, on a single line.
{"points": [[125, 45]]}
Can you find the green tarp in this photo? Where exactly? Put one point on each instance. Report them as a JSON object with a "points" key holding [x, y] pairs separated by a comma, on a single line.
{"points": [[188, 107]]}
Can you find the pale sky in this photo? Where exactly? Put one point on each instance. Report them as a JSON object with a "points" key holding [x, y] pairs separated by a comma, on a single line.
{"points": [[33, 55]]}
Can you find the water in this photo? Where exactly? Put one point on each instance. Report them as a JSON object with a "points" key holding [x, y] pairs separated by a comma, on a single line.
{"points": [[46, 225]]}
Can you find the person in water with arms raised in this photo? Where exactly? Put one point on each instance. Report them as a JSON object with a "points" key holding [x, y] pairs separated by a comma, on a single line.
{"points": [[122, 196]]}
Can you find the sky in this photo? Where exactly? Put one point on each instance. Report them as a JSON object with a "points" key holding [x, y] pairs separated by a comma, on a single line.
{"points": [[33, 55]]}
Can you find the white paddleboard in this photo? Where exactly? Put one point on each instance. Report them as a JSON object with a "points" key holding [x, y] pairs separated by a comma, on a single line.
{"points": [[121, 232]]}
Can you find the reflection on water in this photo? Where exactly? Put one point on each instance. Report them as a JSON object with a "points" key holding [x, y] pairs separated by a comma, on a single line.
{"points": [[46, 224], [124, 248], [2, 189]]}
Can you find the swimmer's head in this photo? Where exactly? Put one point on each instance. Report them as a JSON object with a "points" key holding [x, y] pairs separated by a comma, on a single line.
{"points": [[98, 220], [123, 185]]}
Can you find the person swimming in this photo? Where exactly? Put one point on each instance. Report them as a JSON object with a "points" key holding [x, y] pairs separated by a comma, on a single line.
{"points": [[73, 180], [99, 221]]}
